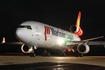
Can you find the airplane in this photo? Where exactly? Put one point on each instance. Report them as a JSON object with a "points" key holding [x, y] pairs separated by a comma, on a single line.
{"points": [[34, 34]]}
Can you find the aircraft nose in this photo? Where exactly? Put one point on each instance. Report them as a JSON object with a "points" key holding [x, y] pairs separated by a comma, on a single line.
{"points": [[24, 35], [19, 33]]}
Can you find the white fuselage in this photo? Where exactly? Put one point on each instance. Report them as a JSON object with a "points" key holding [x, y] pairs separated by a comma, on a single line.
{"points": [[34, 33]]}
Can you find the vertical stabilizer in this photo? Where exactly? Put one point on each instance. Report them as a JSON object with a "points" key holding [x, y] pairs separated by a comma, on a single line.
{"points": [[76, 29], [78, 19]]}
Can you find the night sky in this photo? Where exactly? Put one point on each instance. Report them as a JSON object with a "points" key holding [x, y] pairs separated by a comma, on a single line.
{"points": [[61, 14]]}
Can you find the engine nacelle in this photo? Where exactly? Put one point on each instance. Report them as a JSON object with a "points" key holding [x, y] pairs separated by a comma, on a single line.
{"points": [[26, 49], [83, 48], [76, 30]]}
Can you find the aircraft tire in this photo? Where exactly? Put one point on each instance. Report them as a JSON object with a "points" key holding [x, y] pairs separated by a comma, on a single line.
{"points": [[63, 54], [81, 55], [32, 55]]}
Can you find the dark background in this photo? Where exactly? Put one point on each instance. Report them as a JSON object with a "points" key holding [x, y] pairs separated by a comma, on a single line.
{"points": [[58, 13]]}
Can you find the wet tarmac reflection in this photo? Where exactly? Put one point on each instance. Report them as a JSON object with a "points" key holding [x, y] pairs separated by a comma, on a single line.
{"points": [[51, 66]]}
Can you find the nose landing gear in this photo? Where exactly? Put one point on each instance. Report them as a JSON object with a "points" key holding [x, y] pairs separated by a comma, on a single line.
{"points": [[32, 54]]}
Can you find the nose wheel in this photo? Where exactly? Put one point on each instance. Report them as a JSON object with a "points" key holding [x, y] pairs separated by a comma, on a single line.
{"points": [[32, 54]]}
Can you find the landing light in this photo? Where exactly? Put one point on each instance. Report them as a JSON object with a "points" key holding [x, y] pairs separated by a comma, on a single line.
{"points": [[60, 41], [69, 49]]}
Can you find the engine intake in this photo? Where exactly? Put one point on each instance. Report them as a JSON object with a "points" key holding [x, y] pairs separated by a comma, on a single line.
{"points": [[73, 29], [26, 49], [76, 30], [83, 48]]}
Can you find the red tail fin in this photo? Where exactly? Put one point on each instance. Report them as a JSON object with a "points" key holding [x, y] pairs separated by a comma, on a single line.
{"points": [[76, 29], [80, 31], [78, 19]]}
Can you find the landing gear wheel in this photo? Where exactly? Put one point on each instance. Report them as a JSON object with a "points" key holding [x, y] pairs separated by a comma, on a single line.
{"points": [[63, 54], [45, 53], [48, 54], [32, 55], [81, 55]]}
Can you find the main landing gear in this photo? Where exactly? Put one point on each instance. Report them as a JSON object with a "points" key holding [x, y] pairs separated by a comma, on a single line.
{"points": [[63, 53], [81, 55], [77, 54], [45, 53]]}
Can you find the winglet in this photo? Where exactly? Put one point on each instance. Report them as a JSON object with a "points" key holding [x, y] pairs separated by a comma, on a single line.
{"points": [[3, 40], [78, 19]]}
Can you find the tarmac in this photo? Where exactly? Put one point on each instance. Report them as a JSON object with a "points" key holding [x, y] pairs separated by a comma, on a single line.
{"points": [[90, 60], [24, 62]]}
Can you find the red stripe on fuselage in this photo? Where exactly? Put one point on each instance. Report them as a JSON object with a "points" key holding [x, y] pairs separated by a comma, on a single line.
{"points": [[47, 31]]}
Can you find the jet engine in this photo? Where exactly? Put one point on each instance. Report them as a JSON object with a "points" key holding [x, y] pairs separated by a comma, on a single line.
{"points": [[26, 49], [83, 48], [76, 30]]}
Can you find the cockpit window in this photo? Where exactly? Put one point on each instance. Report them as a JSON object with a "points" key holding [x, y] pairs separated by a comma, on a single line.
{"points": [[28, 27], [25, 26]]}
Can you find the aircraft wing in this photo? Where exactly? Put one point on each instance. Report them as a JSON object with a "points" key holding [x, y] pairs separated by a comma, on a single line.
{"points": [[4, 42], [93, 38], [96, 43], [88, 41], [13, 43]]}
